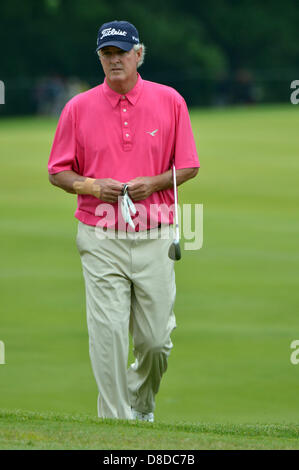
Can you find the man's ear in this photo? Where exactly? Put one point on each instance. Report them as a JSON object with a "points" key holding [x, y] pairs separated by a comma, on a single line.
{"points": [[139, 54]]}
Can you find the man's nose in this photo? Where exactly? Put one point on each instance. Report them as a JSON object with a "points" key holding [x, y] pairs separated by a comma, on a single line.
{"points": [[115, 57]]}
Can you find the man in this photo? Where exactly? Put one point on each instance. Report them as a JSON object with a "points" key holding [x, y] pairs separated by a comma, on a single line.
{"points": [[114, 146]]}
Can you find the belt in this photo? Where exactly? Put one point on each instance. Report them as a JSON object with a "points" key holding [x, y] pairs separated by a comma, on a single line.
{"points": [[147, 230]]}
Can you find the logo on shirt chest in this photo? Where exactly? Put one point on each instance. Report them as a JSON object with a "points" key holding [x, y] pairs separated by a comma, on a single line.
{"points": [[152, 133]]}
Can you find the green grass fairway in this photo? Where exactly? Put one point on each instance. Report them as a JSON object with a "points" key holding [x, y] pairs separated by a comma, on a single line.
{"points": [[29, 430], [237, 297]]}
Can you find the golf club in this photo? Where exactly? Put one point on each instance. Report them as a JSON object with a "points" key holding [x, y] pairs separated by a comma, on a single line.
{"points": [[174, 251]]}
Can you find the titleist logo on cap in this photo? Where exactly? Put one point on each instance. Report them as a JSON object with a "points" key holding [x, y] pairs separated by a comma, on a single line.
{"points": [[112, 32], [121, 34]]}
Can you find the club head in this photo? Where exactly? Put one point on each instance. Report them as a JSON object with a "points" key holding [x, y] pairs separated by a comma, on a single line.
{"points": [[174, 251]]}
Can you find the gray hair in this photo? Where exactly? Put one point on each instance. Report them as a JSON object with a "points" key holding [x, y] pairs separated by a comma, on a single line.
{"points": [[136, 48]]}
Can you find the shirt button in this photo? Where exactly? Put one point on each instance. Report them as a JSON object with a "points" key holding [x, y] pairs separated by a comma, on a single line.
{"points": [[126, 123], [124, 110], [127, 135], [123, 97]]}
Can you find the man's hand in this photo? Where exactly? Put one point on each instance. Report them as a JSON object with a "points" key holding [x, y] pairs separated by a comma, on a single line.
{"points": [[141, 188], [106, 189], [110, 189]]}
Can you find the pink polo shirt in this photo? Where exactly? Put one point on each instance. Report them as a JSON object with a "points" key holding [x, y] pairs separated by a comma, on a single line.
{"points": [[102, 134]]}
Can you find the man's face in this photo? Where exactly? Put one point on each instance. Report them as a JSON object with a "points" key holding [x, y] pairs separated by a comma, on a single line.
{"points": [[118, 65]]}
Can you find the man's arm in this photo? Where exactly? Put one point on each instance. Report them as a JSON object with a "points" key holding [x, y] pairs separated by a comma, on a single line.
{"points": [[105, 189], [142, 187]]}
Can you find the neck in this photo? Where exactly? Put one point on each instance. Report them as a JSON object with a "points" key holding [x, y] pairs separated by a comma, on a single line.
{"points": [[122, 87]]}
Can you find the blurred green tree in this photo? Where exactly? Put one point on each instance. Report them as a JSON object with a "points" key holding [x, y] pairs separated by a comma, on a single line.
{"points": [[190, 44]]}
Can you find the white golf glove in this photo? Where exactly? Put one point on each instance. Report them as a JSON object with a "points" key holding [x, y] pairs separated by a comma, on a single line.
{"points": [[127, 206]]}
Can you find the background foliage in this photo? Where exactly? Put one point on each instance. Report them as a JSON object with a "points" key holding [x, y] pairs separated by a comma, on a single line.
{"points": [[196, 47]]}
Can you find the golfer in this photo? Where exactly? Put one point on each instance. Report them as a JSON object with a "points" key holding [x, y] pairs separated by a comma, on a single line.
{"points": [[114, 147]]}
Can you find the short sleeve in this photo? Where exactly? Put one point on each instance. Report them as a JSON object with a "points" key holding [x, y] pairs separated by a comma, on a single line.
{"points": [[185, 155], [63, 152]]}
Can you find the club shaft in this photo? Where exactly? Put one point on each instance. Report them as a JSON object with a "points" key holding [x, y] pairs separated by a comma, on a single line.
{"points": [[177, 233]]}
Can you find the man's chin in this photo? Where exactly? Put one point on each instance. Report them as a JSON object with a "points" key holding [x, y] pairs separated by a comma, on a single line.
{"points": [[117, 75]]}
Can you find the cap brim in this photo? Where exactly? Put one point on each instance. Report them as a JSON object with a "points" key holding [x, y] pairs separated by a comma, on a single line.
{"points": [[125, 46]]}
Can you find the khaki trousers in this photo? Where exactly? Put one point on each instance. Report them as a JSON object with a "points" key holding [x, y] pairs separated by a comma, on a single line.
{"points": [[130, 287]]}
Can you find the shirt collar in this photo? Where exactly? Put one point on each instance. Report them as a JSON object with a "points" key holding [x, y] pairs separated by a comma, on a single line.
{"points": [[132, 96]]}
